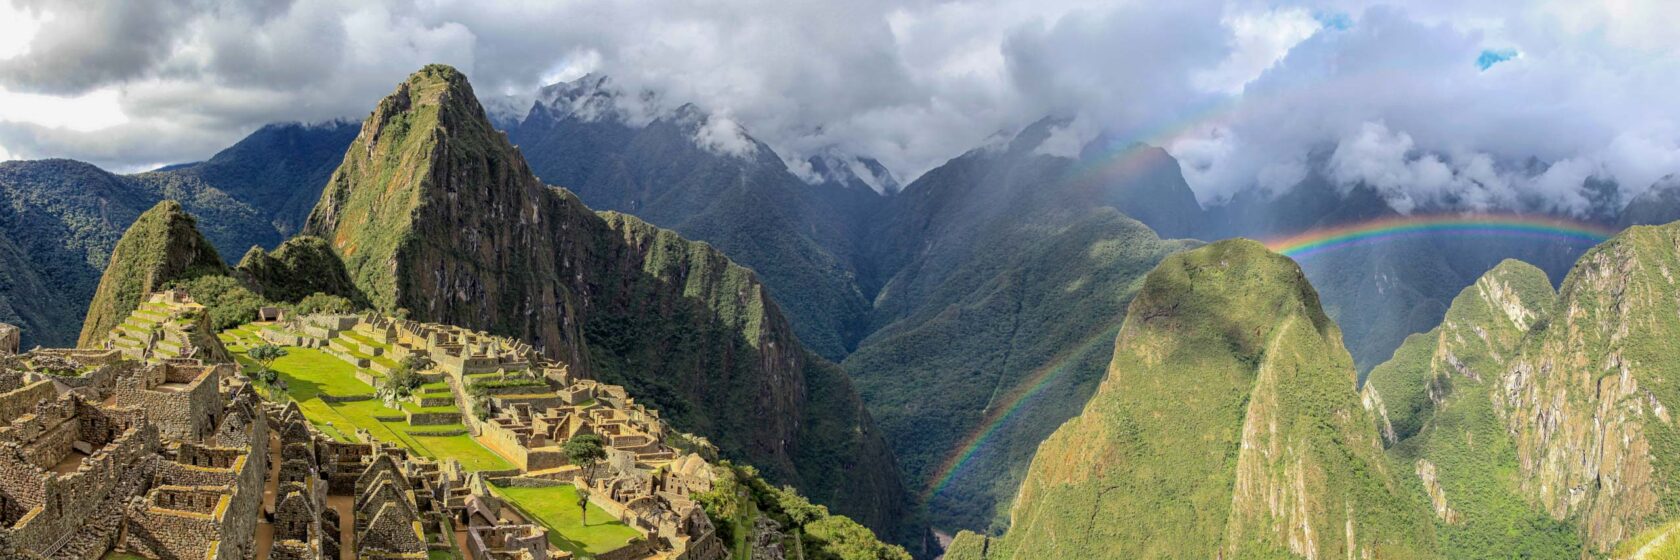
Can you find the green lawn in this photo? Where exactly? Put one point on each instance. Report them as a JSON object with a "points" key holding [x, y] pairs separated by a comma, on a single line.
{"points": [[309, 373], [556, 508]]}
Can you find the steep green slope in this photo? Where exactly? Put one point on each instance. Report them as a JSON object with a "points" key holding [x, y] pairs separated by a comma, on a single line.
{"points": [[163, 245], [64, 217], [435, 212], [1589, 399], [301, 266], [1435, 404], [1009, 272], [1228, 426]]}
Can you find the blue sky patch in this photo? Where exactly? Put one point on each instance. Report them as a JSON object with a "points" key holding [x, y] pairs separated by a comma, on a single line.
{"points": [[1338, 21], [1490, 57]]}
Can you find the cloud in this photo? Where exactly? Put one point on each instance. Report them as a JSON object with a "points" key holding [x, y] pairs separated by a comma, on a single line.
{"points": [[1247, 94]]}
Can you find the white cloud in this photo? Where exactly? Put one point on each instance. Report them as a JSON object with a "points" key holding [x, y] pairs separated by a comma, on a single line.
{"points": [[1247, 94], [722, 135], [83, 113], [1258, 40]]}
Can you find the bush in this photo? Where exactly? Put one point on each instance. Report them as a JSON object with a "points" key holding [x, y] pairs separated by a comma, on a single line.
{"points": [[323, 303], [230, 304], [400, 384]]}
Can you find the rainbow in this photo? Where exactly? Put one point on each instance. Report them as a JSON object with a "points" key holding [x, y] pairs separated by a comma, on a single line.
{"points": [[1313, 242], [999, 412]]}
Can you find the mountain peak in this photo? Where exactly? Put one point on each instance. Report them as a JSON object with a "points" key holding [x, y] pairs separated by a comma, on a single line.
{"points": [[1227, 426], [161, 246], [428, 142]]}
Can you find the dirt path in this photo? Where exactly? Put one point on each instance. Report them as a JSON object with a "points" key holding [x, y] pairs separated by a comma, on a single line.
{"points": [[346, 525], [265, 530]]}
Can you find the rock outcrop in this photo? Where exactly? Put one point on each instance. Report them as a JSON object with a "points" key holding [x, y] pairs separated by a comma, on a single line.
{"points": [[1228, 426], [1589, 400], [434, 212], [1436, 402], [163, 245]]}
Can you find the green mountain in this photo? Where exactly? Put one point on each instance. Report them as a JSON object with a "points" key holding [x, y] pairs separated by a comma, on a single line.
{"points": [[1435, 403], [1380, 293], [162, 246], [1228, 426], [301, 266], [1007, 270], [1540, 426], [1588, 398], [434, 212], [64, 217]]}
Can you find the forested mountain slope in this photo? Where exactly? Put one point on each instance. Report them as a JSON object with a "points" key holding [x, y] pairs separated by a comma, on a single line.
{"points": [[435, 212], [1228, 426]]}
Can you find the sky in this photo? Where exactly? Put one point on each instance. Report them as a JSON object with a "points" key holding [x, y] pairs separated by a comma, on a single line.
{"points": [[1429, 101]]}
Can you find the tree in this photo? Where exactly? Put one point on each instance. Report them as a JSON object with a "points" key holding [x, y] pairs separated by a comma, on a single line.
{"points": [[417, 362], [324, 303], [265, 355], [585, 451], [400, 384], [583, 506]]}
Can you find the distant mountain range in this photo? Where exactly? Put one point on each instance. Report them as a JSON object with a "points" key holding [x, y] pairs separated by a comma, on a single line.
{"points": [[973, 307], [62, 218]]}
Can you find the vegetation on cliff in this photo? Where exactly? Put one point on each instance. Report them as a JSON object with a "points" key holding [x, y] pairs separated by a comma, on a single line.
{"points": [[162, 246], [1228, 425], [740, 498], [299, 267], [1435, 403], [433, 211]]}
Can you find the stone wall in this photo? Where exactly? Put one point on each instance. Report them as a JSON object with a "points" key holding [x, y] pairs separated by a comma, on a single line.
{"points": [[433, 418], [175, 523], [186, 413], [15, 403], [69, 500], [9, 337]]}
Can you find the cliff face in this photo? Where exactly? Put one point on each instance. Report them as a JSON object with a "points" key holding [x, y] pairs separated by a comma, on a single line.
{"points": [[1436, 403], [1228, 426], [435, 212], [161, 246], [1589, 399]]}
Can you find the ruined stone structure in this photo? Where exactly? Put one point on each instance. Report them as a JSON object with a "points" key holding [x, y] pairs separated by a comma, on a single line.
{"points": [[144, 447], [9, 338], [104, 449], [530, 407]]}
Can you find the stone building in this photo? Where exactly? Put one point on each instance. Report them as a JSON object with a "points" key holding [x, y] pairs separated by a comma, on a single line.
{"points": [[164, 457], [508, 542], [181, 397], [9, 339]]}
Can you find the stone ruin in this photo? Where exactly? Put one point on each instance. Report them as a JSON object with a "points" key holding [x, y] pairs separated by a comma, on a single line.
{"points": [[169, 325], [533, 406], [93, 466], [9, 339]]}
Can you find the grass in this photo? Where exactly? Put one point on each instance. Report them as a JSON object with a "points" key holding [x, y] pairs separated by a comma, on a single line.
{"points": [[1658, 542], [309, 373], [556, 508]]}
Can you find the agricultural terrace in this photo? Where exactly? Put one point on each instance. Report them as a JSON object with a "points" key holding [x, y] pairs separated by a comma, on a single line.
{"points": [[333, 394], [556, 507]]}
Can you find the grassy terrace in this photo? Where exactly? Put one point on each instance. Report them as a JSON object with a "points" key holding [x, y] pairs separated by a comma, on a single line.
{"points": [[310, 373], [556, 508]]}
